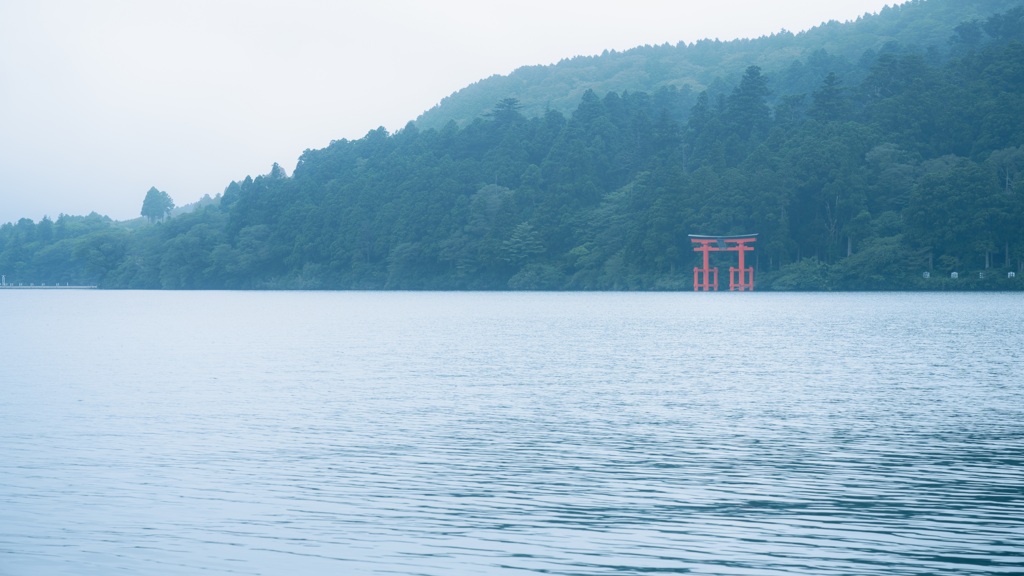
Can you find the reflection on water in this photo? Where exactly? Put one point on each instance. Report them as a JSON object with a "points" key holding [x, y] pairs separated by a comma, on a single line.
{"points": [[469, 433]]}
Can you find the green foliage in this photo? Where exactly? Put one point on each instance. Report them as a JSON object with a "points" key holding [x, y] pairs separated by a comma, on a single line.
{"points": [[809, 274], [702, 65], [859, 170], [157, 205]]}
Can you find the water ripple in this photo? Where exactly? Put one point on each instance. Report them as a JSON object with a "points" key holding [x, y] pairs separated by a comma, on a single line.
{"points": [[408, 434]]}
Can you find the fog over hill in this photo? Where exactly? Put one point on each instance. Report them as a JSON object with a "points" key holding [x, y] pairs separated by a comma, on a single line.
{"points": [[881, 154], [715, 65], [103, 99]]}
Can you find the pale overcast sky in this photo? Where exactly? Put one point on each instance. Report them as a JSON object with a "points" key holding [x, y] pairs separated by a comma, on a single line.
{"points": [[101, 99]]}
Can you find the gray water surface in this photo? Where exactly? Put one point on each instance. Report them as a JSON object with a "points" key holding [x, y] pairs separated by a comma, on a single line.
{"points": [[511, 433]]}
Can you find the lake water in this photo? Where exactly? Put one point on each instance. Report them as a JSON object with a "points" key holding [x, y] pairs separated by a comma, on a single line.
{"points": [[510, 433]]}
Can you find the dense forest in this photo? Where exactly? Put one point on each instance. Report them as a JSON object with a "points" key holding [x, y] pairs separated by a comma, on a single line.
{"points": [[716, 66], [893, 169]]}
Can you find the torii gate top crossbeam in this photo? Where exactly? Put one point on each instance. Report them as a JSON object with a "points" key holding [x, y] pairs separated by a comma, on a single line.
{"points": [[720, 242], [715, 237]]}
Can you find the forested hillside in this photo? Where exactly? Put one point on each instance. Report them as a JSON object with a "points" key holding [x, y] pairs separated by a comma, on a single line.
{"points": [[902, 160], [716, 66]]}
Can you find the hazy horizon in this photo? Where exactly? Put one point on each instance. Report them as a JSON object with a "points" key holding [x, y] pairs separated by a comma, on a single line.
{"points": [[102, 100]]}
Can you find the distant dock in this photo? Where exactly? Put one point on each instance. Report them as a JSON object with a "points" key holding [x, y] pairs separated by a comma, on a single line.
{"points": [[44, 287], [32, 286]]}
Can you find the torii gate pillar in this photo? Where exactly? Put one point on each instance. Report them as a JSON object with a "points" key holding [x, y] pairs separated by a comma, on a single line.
{"points": [[741, 278], [702, 277]]}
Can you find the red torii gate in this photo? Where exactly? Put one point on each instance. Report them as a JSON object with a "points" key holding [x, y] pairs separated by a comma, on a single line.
{"points": [[741, 278]]}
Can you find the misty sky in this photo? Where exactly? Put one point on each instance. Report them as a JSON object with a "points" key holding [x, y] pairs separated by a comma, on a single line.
{"points": [[101, 99]]}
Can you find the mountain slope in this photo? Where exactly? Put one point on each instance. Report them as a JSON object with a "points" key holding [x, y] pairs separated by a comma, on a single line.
{"points": [[692, 68], [862, 174]]}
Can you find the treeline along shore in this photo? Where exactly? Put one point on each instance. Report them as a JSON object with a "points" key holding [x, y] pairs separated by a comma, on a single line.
{"points": [[898, 168]]}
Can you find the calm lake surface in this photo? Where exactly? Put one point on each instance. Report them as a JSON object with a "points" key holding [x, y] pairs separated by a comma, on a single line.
{"points": [[510, 433]]}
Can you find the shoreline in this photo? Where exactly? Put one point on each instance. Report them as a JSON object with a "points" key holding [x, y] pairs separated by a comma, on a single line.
{"points": [[66, 287]]}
